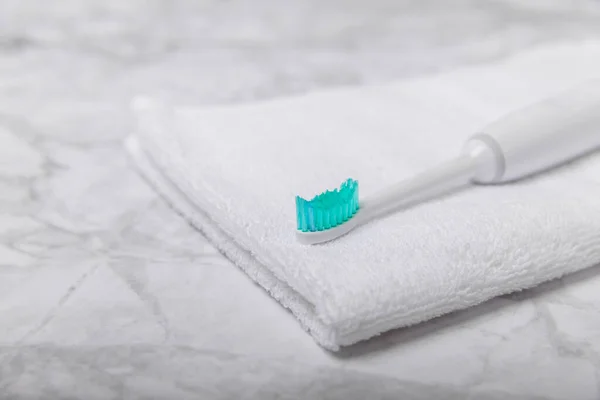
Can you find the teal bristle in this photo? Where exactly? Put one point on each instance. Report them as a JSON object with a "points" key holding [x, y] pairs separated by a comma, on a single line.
{"points": [[328, 209]]}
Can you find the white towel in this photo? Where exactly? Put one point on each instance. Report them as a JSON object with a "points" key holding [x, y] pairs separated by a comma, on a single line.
{"points": [[233, 171]]}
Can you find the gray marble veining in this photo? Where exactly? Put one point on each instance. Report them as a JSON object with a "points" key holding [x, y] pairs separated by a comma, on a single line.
{"points": [[105, 293]]}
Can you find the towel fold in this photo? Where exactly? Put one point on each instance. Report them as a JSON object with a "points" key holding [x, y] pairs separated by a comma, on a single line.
{"points": [[233, 171]]}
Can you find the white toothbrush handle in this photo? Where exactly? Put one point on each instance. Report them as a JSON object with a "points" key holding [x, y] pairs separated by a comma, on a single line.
{"points": [[523, 143], [543, 135]]}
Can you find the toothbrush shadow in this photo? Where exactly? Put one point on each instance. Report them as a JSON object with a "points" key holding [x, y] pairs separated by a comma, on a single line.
{"points": [[438, 196], [565, 165], [449, 192], [466, 318]]}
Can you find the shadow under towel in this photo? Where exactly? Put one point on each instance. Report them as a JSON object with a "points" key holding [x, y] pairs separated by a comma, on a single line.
{"points": [[233, 171]]}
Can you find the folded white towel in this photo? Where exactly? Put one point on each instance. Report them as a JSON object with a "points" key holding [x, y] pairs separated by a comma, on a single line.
{"points": [[233, 171]]}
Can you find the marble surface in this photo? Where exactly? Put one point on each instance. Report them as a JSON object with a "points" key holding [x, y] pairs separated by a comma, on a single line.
{"points": [[105, 293]]}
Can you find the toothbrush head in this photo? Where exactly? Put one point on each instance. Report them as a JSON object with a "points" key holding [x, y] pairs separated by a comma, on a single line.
{"points": [[328, 215]]}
